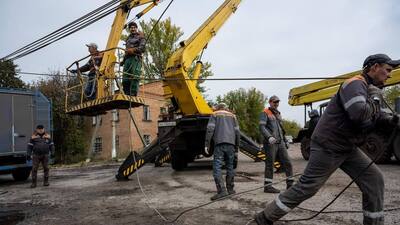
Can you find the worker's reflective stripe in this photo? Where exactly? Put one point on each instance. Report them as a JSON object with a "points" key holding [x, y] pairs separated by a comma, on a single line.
{"points": [[353, 100], [262, 122], [30, 144], [268, 180], [211, 125], [281, 205], [374, 215]]}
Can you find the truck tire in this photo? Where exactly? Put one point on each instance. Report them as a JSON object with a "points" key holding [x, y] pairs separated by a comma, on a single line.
{"points": [[396, 146], [178, 160], [376, 147], [305, 148], [21, 174]]}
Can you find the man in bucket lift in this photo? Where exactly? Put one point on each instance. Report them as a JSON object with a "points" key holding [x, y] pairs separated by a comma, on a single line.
{"points": [[351, 114]]}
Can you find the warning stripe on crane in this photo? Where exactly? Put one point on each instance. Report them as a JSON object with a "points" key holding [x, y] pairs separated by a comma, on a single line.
{"points": [[136, 165], [101, 105]]}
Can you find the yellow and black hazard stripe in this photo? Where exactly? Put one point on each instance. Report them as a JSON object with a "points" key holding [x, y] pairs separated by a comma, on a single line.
{"points": [[132, 168], [261, 155], [105, 103]]}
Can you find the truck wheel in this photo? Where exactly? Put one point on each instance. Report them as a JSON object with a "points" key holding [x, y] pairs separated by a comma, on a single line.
{"points": [[178, 160], [21, 174], [396, 146], [305, 148], [375, 147]]}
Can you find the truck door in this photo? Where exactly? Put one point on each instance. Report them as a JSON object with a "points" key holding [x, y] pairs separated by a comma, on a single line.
{"points": [[5, 123], [22, 121]]}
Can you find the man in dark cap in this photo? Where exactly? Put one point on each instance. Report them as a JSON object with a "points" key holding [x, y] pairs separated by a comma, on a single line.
{"points": [[351, 114], [275, 144], [223, 129], [92, 66], [135, 46], [40, 146]]}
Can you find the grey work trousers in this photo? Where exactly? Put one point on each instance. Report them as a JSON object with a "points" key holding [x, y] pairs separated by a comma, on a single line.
{"points": [[272, 151], [323, 162]]}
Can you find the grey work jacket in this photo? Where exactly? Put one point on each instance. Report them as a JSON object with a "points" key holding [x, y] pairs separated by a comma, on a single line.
{"points": [[40, 145], [222, 127], [270, 125], [348, 115], [137, 41]]}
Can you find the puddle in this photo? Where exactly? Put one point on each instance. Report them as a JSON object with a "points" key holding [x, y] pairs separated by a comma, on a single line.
{"points": [[11, 217]]}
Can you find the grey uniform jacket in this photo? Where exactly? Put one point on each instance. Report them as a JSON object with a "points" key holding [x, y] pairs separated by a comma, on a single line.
{"points": [[40, 145], [222, 127], [270, 125], [137, 41], [349, 114]]}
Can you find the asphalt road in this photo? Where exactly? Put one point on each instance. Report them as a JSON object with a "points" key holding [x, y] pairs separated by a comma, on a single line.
{"points": [[91, 195]]}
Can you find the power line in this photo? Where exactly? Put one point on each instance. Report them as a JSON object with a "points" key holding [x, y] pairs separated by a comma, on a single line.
{"points": [[260, 78]]}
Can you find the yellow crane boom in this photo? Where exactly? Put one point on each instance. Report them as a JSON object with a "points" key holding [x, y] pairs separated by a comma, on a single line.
{"points": [[185, 92], [325, 89]]}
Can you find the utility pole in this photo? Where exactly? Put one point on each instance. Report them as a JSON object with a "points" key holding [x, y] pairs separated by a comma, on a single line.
{"points": [[113, 144]]}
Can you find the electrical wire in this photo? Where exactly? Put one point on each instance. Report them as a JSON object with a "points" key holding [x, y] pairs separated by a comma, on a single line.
{"points": [[66, 30]]}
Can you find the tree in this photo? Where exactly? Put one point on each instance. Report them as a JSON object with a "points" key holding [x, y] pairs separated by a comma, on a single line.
{"points": [[8, 75], [161, 44], [291, 127], [247, 105], [68, 134], [391, 93]]}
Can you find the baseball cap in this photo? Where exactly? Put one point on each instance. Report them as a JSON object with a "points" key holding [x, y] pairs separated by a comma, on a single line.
{"points": [[39, 127], [380, 58], [94, 45], [274, 98]]}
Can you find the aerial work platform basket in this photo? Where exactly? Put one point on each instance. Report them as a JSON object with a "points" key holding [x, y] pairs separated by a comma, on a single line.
{"points": [[104, 87]]}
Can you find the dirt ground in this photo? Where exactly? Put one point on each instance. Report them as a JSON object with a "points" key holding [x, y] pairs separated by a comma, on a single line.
{"points": [[91, 195]]}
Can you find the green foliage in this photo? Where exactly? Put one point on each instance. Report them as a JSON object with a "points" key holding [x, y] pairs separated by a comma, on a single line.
{"points": [[8, 75], [291, 127], [391, 93], [160, 45], [68, 135], [247, 105]]}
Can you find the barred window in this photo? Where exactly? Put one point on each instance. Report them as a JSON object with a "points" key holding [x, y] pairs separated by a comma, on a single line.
{"points": [[146, 113], [98, 145]]}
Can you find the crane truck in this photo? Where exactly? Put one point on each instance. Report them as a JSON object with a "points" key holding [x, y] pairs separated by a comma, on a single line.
{"points": [[380, 144], [181, 137]]}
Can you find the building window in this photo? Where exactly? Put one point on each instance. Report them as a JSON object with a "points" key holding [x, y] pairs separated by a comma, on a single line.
{"points": [[117, 142], [98, 145], [116, 115], [95, 120], [147, 139], [146, 113]]}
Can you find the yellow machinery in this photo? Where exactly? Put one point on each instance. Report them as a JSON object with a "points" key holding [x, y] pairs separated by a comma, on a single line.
{"points": [[181, 140], [325, 89], [106, 76], [376, 143]]}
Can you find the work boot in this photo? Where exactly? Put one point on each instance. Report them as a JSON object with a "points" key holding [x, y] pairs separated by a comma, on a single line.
{"points": [[230, 184], [261, 220], [289, 185], [270, 189], [33, 185], [221, 191], [46, 181]]}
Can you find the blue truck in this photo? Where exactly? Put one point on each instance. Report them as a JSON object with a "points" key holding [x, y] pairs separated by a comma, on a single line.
{"points": [[21, 110]]}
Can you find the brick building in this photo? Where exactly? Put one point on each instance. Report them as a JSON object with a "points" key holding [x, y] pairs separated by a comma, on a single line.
{"points": [[145, 116]]}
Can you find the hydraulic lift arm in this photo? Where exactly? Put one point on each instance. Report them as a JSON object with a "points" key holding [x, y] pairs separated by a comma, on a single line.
{"points": [[325, 89], [185, 93]]}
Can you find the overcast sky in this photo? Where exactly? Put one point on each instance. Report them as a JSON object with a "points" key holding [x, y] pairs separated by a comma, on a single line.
{"points": [[262, 39]]}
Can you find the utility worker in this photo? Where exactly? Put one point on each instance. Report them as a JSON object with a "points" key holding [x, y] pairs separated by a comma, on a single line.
{"points": [[92, 66], [135, 46], [40, 145], [275, 144], [351, 113], [312, 123], [223, 129]]}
